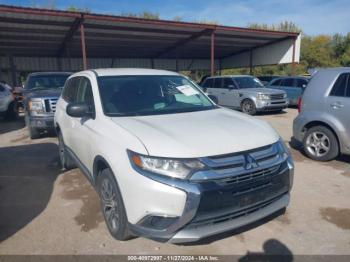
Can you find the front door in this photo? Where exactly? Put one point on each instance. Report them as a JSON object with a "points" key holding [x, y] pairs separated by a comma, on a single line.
{"points": [[83, 128], [231, 93]]}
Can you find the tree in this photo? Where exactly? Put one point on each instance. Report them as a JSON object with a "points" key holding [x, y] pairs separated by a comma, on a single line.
{"points": [[285, 26], [72, 8], [144, 15]]}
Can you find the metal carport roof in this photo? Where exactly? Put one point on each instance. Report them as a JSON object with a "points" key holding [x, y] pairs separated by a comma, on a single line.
{"points": [[40, 33]]}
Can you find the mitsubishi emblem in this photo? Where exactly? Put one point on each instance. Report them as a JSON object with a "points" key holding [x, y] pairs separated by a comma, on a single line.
{"points": [[250, 162]]}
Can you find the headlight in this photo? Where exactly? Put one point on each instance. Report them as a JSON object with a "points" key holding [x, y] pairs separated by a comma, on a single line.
{"points": [[284, 95], [177, 168], [263, 97], [283, 149], [36, 106]]}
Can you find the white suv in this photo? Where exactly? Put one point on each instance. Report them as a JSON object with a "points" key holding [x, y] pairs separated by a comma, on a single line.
{"points": [[167, 162]]}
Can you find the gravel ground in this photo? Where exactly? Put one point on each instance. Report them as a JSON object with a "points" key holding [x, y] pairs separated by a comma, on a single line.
{"points": [[45, 211]]}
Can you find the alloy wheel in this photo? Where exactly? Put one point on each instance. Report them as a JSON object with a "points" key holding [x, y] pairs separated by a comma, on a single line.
{"points": [[318, 144], [109, 204]]}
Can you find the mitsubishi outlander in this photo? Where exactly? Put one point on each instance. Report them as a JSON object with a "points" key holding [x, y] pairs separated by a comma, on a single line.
{"points": [[166, 161]]}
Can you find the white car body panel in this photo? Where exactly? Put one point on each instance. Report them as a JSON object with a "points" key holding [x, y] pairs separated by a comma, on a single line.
{"points": [[199, 134]]}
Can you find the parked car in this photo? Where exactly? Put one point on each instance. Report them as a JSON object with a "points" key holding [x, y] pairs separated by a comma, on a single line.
{"points": [[323, 125], [41, 92], [246, 93], [293, 86], [266, 79], [167, 162], [8, 104]]}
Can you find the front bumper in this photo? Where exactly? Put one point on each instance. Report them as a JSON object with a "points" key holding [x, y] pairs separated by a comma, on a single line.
{"points": [[42, 123], [247, 216], [270, 105], [213, 207]]}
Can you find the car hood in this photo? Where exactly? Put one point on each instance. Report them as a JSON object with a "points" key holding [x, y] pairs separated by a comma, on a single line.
{"points": [[43, 93], [199, 134]]}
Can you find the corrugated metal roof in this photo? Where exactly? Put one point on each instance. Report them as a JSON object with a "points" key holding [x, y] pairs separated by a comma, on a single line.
{"points": [[40, 32]]}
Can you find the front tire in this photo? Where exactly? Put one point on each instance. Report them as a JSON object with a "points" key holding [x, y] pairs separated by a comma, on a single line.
{"points": [[12, 111], [112, 205], [248, 107], [320, 144]]}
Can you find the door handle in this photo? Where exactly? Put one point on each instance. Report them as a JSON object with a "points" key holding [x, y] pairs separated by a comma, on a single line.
{"points": [[223, 93], [337, 105]]}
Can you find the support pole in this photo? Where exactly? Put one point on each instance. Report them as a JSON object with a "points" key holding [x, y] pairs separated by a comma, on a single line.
{"points": [[251, 62], [293, 59], [212, 54], [83, 49], [13, 71], [68, 57]]}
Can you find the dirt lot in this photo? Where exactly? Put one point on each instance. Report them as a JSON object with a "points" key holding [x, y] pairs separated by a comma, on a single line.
{"points": [[45, 211]]}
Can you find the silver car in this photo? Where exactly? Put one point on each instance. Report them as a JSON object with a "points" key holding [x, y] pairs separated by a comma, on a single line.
{"points": [[244, 92], [323, 125]]}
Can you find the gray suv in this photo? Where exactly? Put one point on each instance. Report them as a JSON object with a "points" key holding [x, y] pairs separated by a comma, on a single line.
{"points": [[323, 125], [41, 92], [244, 92]]}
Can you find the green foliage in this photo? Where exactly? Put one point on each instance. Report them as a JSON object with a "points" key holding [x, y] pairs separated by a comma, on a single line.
{"points": [[144, 15], [285, 26], [72, 8]]}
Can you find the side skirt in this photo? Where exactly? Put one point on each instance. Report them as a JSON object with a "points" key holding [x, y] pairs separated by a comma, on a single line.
{"points": [[81, 166]]}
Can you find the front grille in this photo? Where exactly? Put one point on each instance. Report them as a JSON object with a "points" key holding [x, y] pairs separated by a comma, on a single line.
{"points": [[232, 215], [50, 105], [238, 167], [266, 172], [276, 96], [237, 182]]}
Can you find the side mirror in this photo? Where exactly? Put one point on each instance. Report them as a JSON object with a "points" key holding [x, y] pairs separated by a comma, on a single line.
{"points": [[213, 98], [231, 87], [79, 110], [303, 86]]}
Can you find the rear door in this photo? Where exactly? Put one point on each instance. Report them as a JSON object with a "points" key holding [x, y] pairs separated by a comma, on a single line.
{"points": [[289, 86], [339, 99]]}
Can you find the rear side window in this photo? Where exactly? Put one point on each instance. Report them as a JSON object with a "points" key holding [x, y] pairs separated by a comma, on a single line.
{"points": [[70, 91], [276, 82], [301, 83], [217, 83], [339, 86], [288, 82], [208, 83]]}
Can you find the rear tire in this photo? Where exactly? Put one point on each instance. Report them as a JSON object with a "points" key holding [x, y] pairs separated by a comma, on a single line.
{"points": [[248, 107], [321, 144], [65, 160], [112, 205]]}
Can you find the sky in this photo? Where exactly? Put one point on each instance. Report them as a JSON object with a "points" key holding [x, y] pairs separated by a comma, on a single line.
{"points": [[312, 16]]}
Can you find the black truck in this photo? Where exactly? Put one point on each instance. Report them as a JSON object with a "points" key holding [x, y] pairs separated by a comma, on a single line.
{"points": [[41, 92]]}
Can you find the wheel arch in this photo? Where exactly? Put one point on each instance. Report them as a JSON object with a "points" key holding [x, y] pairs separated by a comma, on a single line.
{"points": [[100, 163], [320, 123]]}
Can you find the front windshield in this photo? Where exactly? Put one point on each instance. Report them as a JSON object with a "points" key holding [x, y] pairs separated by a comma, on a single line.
{"points": [[150, 95], [46, 81], [248, 82]]}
